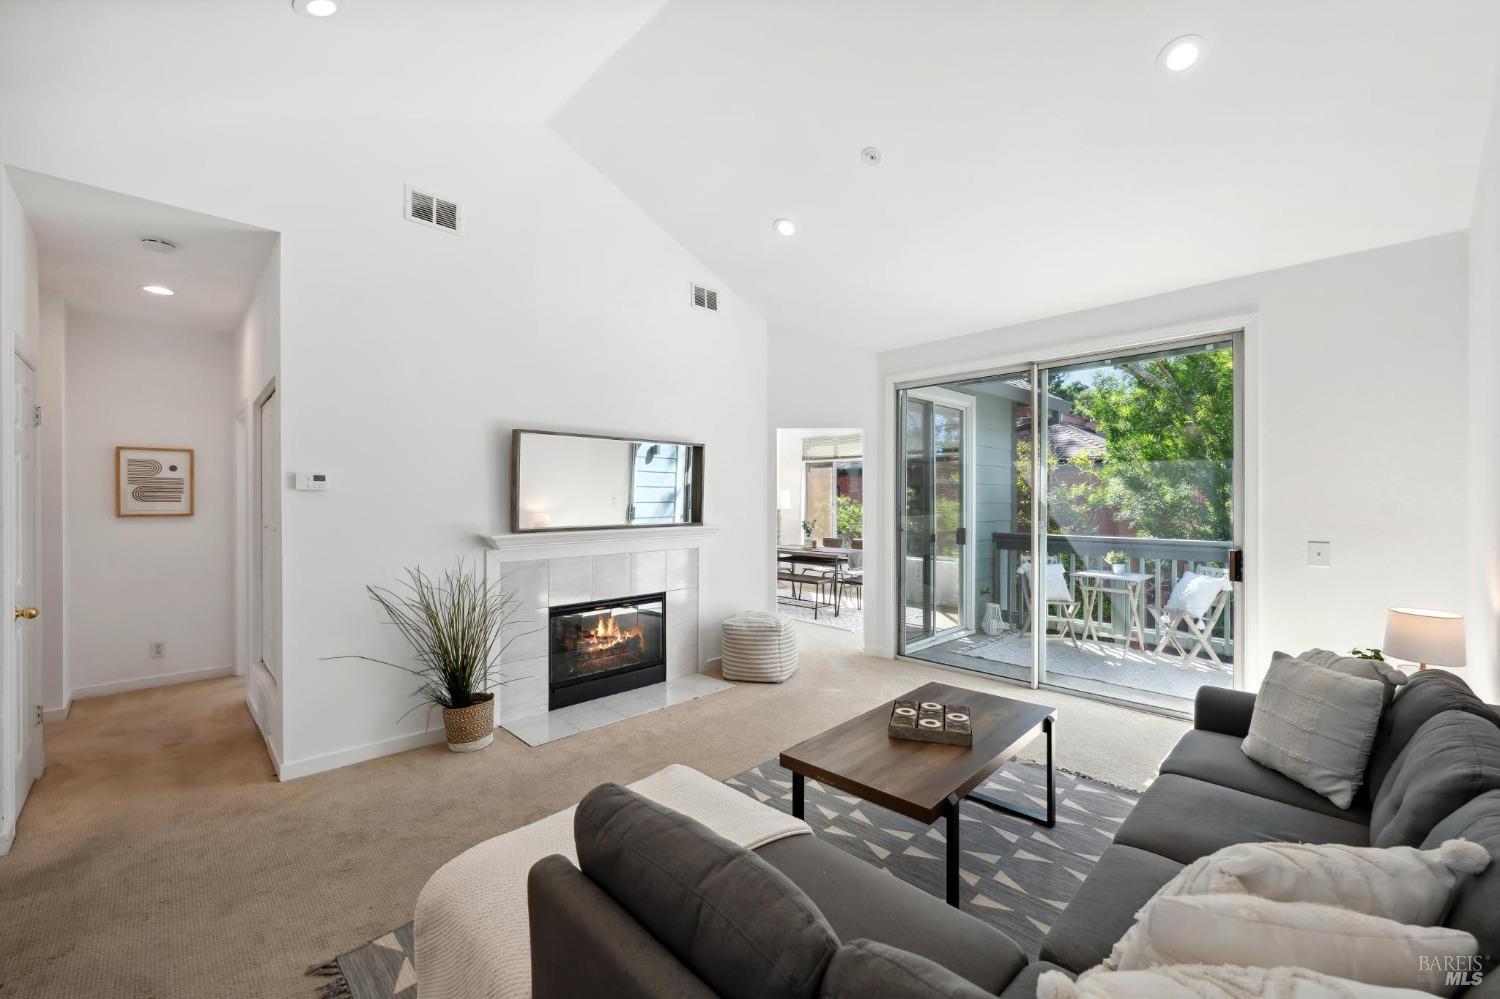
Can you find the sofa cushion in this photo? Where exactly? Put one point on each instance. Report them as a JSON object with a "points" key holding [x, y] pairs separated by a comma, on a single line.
{"points": [[1183, 819], [864, 968], [860, 900], [741, 925], [1024, 984], [1476, 899], [1425, 695], [1453, 757], [1105, 905], [1315, 725], [1218, 759]]}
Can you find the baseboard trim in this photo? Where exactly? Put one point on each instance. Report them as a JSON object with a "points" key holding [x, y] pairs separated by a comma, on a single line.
{"points": [[7, 840], [159, 680], [50, 715], [294, 769]]}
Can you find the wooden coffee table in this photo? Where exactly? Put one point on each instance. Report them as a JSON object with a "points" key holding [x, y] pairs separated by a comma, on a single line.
{"points": [[924, 780]]}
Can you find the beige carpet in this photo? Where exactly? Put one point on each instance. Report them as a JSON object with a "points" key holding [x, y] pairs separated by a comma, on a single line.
{"points": [[158, 857]]}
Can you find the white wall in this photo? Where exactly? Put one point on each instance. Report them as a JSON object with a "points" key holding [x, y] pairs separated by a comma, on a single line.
{"points": [[1356, 411], [407, 355], [1484, 422], [132, 581], [256, 346], [57, 688]]}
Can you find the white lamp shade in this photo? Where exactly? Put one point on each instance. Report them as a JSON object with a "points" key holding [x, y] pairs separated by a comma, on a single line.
{"points": [[784, 499], [1424, 636]]}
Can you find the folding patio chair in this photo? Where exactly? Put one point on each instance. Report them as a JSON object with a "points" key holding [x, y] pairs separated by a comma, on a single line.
{"points": [[1196, 603], [1058, 593]]}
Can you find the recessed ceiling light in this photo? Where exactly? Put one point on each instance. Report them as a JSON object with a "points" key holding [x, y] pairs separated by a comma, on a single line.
{"points": [[317, 8], [784, 227], [1181, 54], [157, 289]]}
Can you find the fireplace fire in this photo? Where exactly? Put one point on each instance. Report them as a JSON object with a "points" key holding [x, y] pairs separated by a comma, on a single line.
{"points": [[605, 647]]}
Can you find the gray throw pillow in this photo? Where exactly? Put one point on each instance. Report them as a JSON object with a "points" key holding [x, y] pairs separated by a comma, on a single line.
{"points": [[1316, 726], [737, 922], [864, 968], [1370, 669]]}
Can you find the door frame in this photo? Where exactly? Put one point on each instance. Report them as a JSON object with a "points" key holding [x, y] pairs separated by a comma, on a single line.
{"points": [[967, 405], [885, 594], [258, 609]]}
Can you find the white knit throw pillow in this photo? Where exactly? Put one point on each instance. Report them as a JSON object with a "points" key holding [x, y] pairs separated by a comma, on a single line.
{"points": [[1258, 933], [1197, 981], [1400, 883]]}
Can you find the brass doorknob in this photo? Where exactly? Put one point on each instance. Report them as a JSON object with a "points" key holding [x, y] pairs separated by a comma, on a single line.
{"points": [[29, 613]]}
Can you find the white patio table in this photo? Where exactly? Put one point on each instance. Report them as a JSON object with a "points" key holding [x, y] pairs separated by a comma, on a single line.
{"points": [[1094, 585]]}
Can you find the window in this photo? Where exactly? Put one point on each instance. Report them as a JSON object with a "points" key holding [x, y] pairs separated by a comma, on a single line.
{"points": [[833, 488]]}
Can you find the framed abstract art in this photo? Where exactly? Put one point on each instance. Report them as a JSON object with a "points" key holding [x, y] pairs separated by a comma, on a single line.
{"points": [[153, 482]]}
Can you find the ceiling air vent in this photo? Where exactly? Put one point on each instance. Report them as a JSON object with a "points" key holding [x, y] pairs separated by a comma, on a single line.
{"points": [[429, 209], [705, 298]]}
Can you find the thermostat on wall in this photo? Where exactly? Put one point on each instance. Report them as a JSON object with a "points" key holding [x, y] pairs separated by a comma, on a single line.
{"points": [[312, 481]]}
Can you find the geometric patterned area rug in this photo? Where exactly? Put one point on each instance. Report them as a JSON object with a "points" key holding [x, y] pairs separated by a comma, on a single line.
{"points": [[1016, 875]]}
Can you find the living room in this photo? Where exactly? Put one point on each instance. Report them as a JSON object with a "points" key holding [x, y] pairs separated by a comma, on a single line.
{"points": [[685, 226]]}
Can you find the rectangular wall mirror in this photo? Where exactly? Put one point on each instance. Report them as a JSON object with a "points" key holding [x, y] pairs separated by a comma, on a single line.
{"points": [[565, 482]]}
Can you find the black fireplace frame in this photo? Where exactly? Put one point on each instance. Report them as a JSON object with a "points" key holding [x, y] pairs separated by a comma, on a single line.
{"points": [[561, 694]]}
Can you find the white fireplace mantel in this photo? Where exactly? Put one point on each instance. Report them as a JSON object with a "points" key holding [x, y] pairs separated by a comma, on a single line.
{"points": [[562, 544]]}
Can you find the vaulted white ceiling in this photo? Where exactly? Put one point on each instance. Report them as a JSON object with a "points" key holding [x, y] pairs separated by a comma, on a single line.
{"points": [[445, 60], [1036, 159]]}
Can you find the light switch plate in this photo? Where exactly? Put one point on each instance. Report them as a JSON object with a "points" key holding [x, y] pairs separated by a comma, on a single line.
{"points": [[1320, 554]]}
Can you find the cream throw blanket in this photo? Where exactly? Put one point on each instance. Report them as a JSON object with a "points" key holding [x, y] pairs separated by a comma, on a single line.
{"points": [[473, 935]]}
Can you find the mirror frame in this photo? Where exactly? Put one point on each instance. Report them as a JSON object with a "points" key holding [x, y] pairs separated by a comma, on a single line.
{"points": [[695, 511]]}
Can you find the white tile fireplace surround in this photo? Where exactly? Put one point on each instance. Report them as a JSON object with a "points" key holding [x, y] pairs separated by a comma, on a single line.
{"points": [[553, 569]]}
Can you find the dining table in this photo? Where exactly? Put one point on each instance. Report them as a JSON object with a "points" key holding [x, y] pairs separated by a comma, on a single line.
{"points": [[833, 559]]}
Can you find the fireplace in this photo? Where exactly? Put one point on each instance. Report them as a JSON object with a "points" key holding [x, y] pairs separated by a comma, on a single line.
{"points": [[605, 647]]}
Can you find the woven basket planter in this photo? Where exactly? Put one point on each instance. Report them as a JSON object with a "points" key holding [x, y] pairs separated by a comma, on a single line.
{"points": [[759, 647], [471, 728]]}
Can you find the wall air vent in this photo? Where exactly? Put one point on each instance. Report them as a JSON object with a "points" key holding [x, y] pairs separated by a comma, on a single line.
{"points": [[431, 210], [705, 298]]}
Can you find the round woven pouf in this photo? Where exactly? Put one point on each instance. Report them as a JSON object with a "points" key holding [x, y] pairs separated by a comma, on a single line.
{"points": [[759, 647]]}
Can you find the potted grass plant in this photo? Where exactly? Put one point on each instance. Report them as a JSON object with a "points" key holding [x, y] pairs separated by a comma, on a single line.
{"points": [[1118, 562], [454, 624]]}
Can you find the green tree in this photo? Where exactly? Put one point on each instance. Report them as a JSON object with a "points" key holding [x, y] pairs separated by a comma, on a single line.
{"points": [[851, 517], [1168, 427]]}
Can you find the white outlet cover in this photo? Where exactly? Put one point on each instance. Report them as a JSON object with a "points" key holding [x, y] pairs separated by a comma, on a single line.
{"points": [[1320, 554]]}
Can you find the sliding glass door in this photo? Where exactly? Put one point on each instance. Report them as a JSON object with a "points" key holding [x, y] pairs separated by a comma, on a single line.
{"points": [[936, 448], [1140, 470], [1076, 524]]}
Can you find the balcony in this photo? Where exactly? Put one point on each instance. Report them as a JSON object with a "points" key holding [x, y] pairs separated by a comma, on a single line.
{"points": [[1095, 655]]}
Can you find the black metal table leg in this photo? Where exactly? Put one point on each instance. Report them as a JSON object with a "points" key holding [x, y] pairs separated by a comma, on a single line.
{"points": [[797, 795], [950, 811], [1048, 818]]}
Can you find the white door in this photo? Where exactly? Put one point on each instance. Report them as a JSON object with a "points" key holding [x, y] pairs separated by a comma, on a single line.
{"points": [[28, 635], [268, 557]]}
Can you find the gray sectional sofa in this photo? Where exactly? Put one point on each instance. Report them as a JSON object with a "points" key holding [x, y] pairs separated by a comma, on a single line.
{"points": [[1434, 774]]}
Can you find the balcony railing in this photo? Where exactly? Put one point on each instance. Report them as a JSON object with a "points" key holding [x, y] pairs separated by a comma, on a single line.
{"points": [[1164, 561]]}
